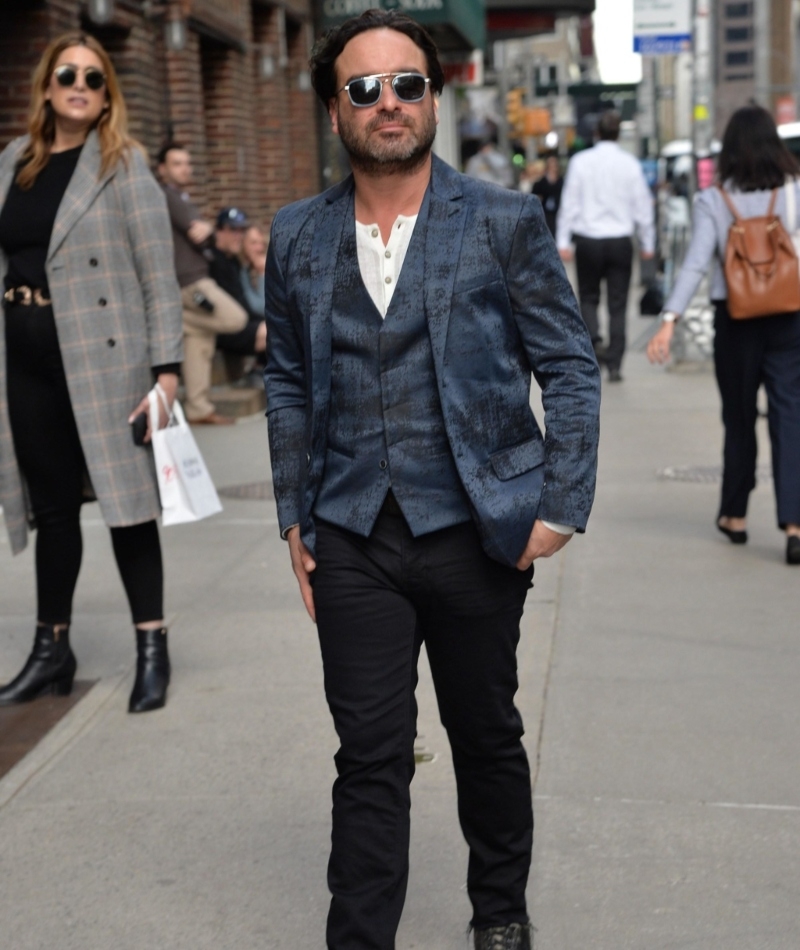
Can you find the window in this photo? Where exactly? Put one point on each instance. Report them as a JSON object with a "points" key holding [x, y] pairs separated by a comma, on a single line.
{"points": [[738, 34], [738, 11], [739, 57]]}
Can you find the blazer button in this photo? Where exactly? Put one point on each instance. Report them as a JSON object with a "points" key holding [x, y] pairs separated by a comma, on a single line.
{"points": [[383, 463], [102, 302], [92, 262], [111, 342]]}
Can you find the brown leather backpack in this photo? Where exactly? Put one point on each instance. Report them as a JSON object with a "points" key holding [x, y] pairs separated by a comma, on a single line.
{"points": [[761, 267]]}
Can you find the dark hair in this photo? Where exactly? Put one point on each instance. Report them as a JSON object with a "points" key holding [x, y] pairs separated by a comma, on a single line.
{"points": [[753, 156], [608, 126], [166, 149], [328, 48]]}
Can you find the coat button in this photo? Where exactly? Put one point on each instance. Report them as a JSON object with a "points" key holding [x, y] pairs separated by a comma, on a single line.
{"points": [[102, 302], [92, 262], [111, 342], [383, 463]]}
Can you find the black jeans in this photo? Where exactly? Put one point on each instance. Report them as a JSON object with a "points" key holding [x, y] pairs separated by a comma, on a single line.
{"points": [[609, 259], [748, 353], [377, 599], [50, 457]]}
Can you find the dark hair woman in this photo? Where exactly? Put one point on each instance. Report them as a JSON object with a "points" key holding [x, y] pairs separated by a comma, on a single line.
{"points": [[754, 163], [92, 313]]}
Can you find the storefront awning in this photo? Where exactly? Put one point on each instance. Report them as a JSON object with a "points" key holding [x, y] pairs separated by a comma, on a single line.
{"points": [[457, 26]]}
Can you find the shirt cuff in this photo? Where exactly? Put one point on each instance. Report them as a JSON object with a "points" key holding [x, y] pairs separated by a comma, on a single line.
{"points": [[559, 528]]}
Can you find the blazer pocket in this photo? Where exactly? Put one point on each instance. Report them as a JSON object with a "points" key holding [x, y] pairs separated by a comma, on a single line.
{"points": [[518, 459], [476, 282]]}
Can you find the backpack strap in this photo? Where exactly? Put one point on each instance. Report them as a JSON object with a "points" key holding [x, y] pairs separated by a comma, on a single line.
{"points": [[771, 209], [729, 203]]}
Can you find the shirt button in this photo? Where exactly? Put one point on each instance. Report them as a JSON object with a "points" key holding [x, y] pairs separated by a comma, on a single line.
{"points": [[383, 463], [387, 254], [92, 262], [374, 232], [102, 302], [388, 280], [111, 342]]}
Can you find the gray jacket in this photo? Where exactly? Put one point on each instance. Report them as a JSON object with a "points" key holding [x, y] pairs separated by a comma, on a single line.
{"points": [[117, 309], [710, 222]]}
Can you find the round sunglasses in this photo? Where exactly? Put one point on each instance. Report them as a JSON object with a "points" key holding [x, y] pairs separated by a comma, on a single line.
{"points": [[67, 75], [366, 91]]}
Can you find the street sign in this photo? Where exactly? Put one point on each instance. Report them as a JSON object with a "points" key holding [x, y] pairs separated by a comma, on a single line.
{"points": [[662, 27]]}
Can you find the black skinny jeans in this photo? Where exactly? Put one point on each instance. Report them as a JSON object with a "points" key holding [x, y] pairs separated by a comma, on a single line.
{"points": [[609, 259], [50, 456]]}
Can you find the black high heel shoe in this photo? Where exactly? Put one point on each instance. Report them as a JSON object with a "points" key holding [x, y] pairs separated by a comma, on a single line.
{"points": [[152, 671], [793, 549], [736, 537], [50, 668]]}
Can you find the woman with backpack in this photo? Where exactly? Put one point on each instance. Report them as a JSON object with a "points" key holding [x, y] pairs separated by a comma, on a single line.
{"points": [[754, 269]]}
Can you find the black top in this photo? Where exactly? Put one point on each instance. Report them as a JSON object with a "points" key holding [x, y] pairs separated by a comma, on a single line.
{"points": [[226, 271], [27, 219]]}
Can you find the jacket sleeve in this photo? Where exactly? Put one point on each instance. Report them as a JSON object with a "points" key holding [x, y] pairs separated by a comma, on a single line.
{"points": [[285, 383], [150, 239], [562, 361]]}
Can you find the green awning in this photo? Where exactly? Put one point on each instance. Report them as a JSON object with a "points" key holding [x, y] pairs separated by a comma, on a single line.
{"points": [[457, 26]]}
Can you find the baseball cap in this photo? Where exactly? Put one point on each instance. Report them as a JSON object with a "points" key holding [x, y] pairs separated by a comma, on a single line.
{"points": [[232, 218]]}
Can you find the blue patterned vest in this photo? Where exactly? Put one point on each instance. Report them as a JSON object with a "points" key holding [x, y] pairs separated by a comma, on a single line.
{"points": [[385, 426]]}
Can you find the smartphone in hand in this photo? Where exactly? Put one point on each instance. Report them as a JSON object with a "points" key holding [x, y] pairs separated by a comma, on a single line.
{"points": [[139, 428]]}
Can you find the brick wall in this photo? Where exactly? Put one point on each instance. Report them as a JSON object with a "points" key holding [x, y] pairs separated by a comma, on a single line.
{"points": [[253, 139]]}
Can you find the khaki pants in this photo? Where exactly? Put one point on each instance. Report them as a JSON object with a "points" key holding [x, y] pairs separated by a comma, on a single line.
{"points": [[200, 330]]}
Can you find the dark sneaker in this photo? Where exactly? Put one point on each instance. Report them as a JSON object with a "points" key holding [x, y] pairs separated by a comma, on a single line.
{"points": [[510, 937]]}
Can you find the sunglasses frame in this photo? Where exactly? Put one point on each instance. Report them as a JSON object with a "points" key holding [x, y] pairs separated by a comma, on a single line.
{"points": [[384, 78], [87, 72]]}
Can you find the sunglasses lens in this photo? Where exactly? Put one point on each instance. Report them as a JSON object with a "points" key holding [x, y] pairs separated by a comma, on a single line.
{"points": [[409, 88], [65, 76], [95, 79], [365, 92]]}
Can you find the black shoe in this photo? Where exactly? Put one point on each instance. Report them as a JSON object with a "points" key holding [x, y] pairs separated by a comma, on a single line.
{"points": [[49, 669], [614, 375], [737, 537], [510, 937], [793, 549], [152, 671]]}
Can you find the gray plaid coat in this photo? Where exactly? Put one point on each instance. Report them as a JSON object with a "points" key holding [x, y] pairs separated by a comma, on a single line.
{"points": [[118, 312]]}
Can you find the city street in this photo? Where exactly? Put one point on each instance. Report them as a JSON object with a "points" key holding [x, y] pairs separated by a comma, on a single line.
{"points": [[659, 670]]}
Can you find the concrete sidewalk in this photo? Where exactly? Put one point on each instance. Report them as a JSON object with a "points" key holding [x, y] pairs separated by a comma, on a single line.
{"points": [[659, 669]]}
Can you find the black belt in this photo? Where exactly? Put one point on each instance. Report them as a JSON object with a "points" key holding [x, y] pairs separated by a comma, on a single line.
{"points": [[26, 296]]}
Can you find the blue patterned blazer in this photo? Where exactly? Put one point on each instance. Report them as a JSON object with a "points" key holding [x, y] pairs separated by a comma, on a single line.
{"points": [[499, 308]]}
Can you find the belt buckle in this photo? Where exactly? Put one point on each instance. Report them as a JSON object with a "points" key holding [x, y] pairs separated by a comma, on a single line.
{"points": [[39, 299]]}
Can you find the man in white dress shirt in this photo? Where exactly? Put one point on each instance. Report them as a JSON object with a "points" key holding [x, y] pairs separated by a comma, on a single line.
{"points": [[605, 201]]}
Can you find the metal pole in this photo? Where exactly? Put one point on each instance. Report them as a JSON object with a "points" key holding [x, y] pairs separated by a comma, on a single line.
{"points": [[703, 92]]}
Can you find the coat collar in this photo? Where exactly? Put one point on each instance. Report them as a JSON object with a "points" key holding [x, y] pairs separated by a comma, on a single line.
{"points": [[83, 188]]}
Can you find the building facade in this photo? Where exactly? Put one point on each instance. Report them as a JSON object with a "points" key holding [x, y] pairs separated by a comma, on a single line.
{"points": [[226, 78]]}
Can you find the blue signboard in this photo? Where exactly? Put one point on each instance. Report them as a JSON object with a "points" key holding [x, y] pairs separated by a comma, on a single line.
{"points": [[662, 45]]}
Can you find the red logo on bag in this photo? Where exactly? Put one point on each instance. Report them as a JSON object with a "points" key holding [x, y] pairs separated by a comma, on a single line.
{"points": [[168, 471]]}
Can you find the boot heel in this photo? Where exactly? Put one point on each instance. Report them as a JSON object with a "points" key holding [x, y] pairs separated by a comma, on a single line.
{"points": [[62, 687]]}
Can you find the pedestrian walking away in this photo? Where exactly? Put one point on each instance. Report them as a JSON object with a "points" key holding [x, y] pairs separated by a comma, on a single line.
{"points": [[407, 308], [755, 170], [548, 190], [605, 201], [207, 309], [92, 315]]}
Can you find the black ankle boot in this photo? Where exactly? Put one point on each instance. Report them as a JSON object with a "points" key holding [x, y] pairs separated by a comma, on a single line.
{"points": [[49, 669], [152, 671], [510, 937]]}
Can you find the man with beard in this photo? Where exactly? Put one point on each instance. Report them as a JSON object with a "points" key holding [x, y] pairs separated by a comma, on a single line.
{"points": [[406, 310]]}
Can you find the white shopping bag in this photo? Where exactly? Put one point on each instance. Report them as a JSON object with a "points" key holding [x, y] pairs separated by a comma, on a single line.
{"points": [[186, 490]]}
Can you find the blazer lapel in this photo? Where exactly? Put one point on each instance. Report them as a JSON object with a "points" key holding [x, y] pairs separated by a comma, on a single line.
{"points": [[446, 221], [81, 192], [333, 216]]}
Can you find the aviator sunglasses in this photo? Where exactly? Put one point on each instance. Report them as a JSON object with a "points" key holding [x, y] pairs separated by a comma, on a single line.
{"points": [[366, 91], [66, 76]]}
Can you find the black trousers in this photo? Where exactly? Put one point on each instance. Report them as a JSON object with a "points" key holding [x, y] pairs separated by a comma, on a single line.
{"points": [[49, 454], [609, 259], [748, 353], [377, 599]]}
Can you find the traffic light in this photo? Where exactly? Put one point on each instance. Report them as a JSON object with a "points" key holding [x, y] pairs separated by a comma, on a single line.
{"points": [[515, 110], [536, 121]]}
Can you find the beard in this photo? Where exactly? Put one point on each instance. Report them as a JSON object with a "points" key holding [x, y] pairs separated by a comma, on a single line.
{"points": [[394, 154]]}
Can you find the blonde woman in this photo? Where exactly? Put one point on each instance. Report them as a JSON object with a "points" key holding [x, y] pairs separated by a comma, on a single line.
{"points": [[92, 317]]}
